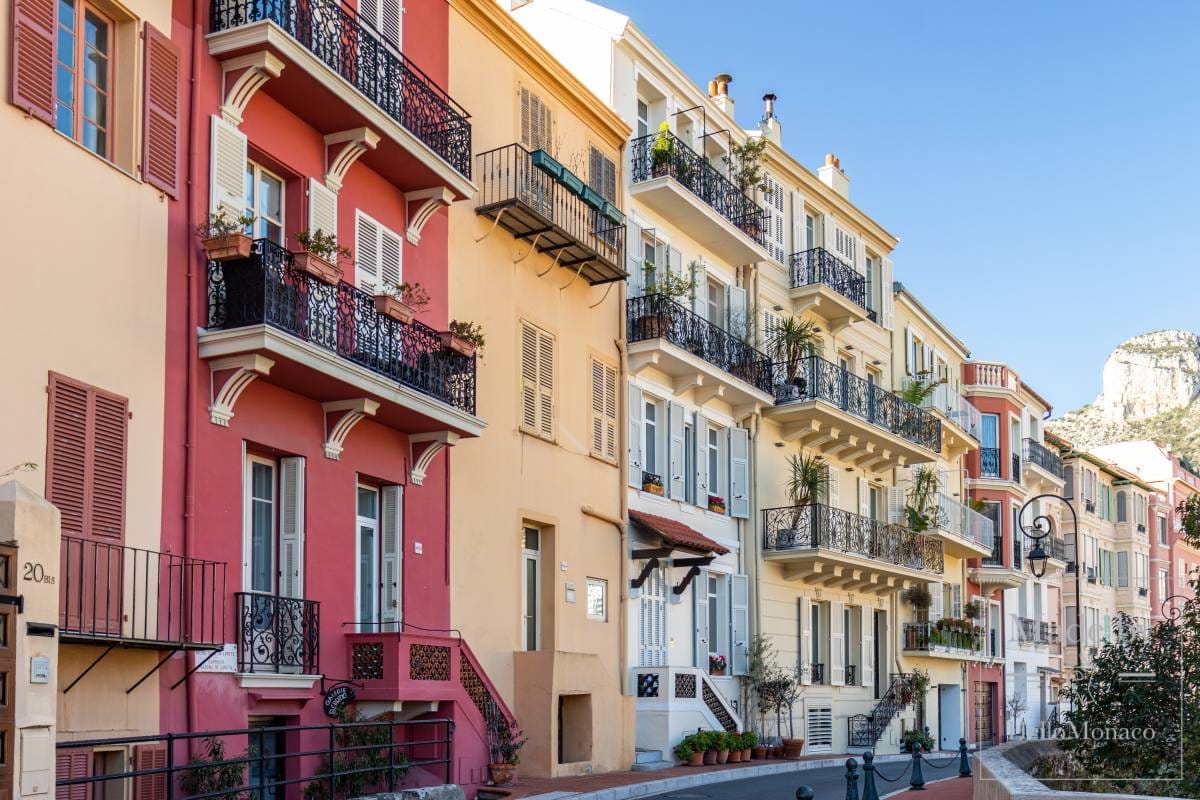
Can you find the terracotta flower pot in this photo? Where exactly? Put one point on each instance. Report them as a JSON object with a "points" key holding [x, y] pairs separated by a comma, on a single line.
{"points": [[759, 752], [228, 248], [747, 753], [722, 756], [793, 748], [697, 759], [452, 341], [717, 672], [394, 307], [710, 757], [503, 774], [735, 756], [321, 269]]}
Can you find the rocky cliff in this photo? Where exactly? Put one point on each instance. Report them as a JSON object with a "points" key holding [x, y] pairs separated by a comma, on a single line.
{"points": [[1151, 390]]}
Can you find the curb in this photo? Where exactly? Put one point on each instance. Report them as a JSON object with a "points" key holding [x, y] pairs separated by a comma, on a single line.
{"points": [[704, 778], [927, 783]]}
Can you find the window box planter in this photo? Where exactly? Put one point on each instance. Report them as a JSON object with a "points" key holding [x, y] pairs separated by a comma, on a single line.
{"points": [[593, 198], [546, 163], [572, 182], [716, 504], [613, 214], [454, 342], [391, 306], [652, 483], [228, 248], [319, 268]]}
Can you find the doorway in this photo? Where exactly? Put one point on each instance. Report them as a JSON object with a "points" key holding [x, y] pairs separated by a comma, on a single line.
{"points": [[267, 774], [949, 716], [880, 656], [985, 698]]}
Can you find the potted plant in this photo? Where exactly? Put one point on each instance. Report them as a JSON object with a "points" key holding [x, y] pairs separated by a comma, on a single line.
{"points": [[319, 255], [708, 740], [749, 745], [721, 743], [972, 610], [716, 504], [687, 751], [758, 750], [505, 743], [922, 509], [919, 739], [662, 151], [463, 337], [652, 483], [402, 302], [716, 664], [664, 290], [918, 597], [790, 343], [735, 747], [226, 239]]}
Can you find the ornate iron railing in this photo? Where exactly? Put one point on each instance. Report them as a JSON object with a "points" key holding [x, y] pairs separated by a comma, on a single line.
{"points": [[267, 289], [989, 462], [864, 730], [816, 673], [1055, 547], [353, 49], [818, 265], [1037, 453], [661, 154], [654, 315], [1026, 630], [113, 592], [278, 634], [852, 674], [947, 400], [813, 526], [814, 378], [1015, 474], [931, 637]]}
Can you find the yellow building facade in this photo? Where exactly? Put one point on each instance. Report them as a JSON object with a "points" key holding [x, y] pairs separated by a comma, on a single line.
{"points": [[537, 502]]}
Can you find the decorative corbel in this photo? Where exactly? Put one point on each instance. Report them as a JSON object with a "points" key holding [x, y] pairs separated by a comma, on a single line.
{"points": [[255, 69], [652, 563], [340, 417], [421, 205], [695, 564], [342, 149], [422, 447], [229, 378]]}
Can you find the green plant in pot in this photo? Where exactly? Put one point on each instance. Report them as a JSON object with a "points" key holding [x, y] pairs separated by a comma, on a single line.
{"points": [[807, 483], [915, 738], [402, 301], [918, 597], [919, 389], [321, 255], [224, 236], [922, 509], [973, 610], [464, 338], [504, 744], [662, 151], [664, 290], [791, 342]]}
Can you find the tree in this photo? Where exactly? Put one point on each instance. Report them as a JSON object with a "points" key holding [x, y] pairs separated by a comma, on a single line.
{"points": [[1016, 708]]}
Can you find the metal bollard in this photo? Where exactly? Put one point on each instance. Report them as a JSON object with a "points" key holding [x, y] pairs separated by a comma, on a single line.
{"points": [[851, 779], [869, 790], [804, 793], [964, 761], [918, 779]]}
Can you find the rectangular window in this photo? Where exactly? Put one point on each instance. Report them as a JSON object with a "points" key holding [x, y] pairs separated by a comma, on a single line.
{"points": [[264, 200], [716, 303], [537, 123], [597, 599], [84, 76], [810, 232], [715, 454], [273, 525], [869, 274], [368, 558], [531, 567], [537, 381], [689, 462], [1122, 570], [650, 434], [263, 513], [643, 118], [1162, 528], [604, 410]]}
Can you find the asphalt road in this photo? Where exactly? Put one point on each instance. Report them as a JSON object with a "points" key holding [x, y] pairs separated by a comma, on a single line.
{"points": [[827, 784]]}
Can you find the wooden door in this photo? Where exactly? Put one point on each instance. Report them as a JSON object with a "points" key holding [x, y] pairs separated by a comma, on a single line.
{"points": [[985, 695], [8, 661]]}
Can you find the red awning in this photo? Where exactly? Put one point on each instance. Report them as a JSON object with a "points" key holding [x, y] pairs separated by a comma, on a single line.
{"points": [[677, 534]]}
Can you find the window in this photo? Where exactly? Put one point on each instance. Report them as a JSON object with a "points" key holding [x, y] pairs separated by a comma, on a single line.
{"points": [[846, 245], [380, 557], [597, 599], [368, 542], [262, 501], [1164, 585], [273, 548], [264, 200], [1122, 569], [689, 462], [1162, 528], [537, 124], [84, 76], [810, 232], [377, 255], [531, 561], [537, 381], [604, 411], [650, 435], [869, 273], [715, 304], [715, 454], [643, 118]]}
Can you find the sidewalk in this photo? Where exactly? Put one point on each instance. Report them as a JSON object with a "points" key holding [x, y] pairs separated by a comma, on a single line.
{"points": [[945, 789]]}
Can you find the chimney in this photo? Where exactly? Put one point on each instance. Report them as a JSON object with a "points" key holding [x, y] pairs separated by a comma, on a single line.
{"points": [[769, 124], [832, 176], [718, 90]]}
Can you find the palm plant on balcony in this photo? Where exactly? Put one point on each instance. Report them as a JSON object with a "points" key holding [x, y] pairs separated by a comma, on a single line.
{"points": [[792, 341], [922, 509], [919, 389], [807, 483]]}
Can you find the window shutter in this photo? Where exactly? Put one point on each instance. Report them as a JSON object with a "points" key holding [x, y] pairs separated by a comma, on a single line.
{"points": [[610, 413], [392, 555], [820, 729], [366, 253], [369, 10], [837, 644], [956, 601], [148, 757], [677, 456], [702, 475], [833, 490], [867, 659], [228, 192], [895, 504], [799, 235], [604, 410], [635, 437], [529, 378], [73, 764], [391, 18], [546, 384], [740, 622], [67, 469], [633, 257], [110, 417], [864, 497], [700, 596], [910, 368], [937, 596], [390, 249], [674, 260], [160, 113], [739, 473], [291, 526], [322, 208], [700, 290], [888, 317], [805, 611], [526, 119], [33, 44]]}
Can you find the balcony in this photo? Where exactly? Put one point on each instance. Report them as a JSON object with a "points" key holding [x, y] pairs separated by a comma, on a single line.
{"points": [[669, 337], [329, 343], [943, 639], [824, 407], [679, 183], [278, 635], [993, 573], [111, 594], [826, 285], [820, 545], [1041, 459], [966, 533], [989, 463], [962, 432], [338, 73], [533, 206], [990, 375]]}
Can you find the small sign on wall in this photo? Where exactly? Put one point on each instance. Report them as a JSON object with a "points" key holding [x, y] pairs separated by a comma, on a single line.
{"points": [[39, 669], [570, 592], [224, 660]]}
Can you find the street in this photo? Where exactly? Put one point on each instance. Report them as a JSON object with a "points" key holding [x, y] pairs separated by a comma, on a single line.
{"points": [[827, 784]]}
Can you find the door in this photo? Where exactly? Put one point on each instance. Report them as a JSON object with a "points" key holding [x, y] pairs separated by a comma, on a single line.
{"points": [[989, 453], [531, 596], [367, 577], [881, 671], [8, 643], [652, 621], [267, 771], [949, 716], [985, 696]]}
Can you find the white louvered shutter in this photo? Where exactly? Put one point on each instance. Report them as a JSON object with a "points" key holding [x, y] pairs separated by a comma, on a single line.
{"points": [[895, 504], [736, 303], [740, 623], [864, 497], [228, 183], [546, 384], [837, 644], [604, 410], [366, 254], [805, 610], [888, 319], [739, 473], [702, 490], [392, 556], [937, 595], [833, 491], [391, 20], [536, 122], [799, 233], [700, 290], [700, 615], [529, 378], [956, 601], [633, 258], [675, 263], [322, 208], [910, 368], [677, 457], [867, 659], [635, 437], [291, 527], [390, 249]]}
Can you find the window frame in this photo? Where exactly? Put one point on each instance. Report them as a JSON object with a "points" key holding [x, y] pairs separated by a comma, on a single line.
{"points": [[602, 584], [255, 171], [376, 524], [80, 11], [248, 524], [535, 555]]}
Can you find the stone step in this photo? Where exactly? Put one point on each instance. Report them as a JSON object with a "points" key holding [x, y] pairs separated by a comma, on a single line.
{"points": [[649, 761]]}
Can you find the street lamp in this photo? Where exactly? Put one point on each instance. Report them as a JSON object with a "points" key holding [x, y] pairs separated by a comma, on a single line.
{"points": [[1041, 527]]}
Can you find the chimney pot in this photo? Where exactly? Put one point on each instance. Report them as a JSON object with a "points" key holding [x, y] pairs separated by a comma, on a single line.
{"points": [[769, 105], [712, 88], [830, 160], [723, 80]]}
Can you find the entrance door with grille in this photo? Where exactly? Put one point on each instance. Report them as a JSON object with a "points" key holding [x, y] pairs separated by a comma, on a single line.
{"points": [[985, 696]]}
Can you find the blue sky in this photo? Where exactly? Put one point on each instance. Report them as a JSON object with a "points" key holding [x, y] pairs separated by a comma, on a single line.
{"points": [[1040, 161]]}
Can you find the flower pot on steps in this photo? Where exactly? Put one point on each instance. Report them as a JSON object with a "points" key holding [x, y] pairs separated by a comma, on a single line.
{"points": [[793, 748]]}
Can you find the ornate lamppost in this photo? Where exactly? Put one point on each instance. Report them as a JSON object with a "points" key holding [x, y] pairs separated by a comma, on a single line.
{"points": [[1040, 528]]}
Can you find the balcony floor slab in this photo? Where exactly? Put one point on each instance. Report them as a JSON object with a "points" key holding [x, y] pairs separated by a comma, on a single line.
{"points": [[698, 220]]}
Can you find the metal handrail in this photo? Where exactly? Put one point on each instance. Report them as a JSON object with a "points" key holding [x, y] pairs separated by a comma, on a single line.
{"points": [[278, 634], [1042, 456], [818, 265], [818, 526]]}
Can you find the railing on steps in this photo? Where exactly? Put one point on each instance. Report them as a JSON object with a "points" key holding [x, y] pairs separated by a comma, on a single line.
{"points": [[865, 730], [689, 686]]}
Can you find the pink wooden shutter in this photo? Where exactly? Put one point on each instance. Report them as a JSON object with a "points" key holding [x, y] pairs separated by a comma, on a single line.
{"points": [[32, 67], [147, 757], [66, 452], [160, 113], [73, 764], [110, 418]]}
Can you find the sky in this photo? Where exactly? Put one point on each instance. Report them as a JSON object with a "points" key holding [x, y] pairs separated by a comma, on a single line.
{"points": [[1039, 161]]}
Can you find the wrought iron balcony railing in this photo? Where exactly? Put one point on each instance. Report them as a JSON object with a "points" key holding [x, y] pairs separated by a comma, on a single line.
{"points": [[1040, 455], [1026, 630], [278, 634], [930, 637], [814, 378], [813, 526], [535, 207], [852, 674], [816, 673], [125, 594], [267, 289], [818, 265], [662, 154], [658, 316], [353, 49], [989, 462]]}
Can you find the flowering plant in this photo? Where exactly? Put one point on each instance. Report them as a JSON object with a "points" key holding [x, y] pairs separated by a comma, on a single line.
{"points": [[717, 663]]}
